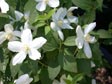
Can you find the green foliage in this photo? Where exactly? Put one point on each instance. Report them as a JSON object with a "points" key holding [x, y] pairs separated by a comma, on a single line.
{"points": [[70, 41], [61, 61]]}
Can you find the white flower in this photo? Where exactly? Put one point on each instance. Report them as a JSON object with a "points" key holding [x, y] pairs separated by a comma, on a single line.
{"points": [[41, 6], [70, 16], [92, 64], [59, 22], [84, 38], [26, 46], [1, 82], [9, 33], [19, 16], [93, 81], [24, 79], [4, 6]]}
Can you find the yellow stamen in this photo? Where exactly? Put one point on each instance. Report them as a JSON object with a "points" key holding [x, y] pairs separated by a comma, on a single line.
{"points": [[87, 38], [60, 22], [9, 36], [46, 1], [26, 48]]}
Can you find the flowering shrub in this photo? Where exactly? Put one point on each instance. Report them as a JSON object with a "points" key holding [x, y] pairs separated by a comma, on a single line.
{"points": [[66, 46]]}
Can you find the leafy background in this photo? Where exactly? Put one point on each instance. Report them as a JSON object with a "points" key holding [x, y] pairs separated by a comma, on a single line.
{"points": [[59, 57]]}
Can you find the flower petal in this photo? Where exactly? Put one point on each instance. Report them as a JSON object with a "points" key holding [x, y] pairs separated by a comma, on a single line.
{"points": [[53, 3], [54, 26], [79, 32], [26, 25], [26, 15], [18, 15], [4, 6], [60, 33], [26, 36], [2, 37], [38, 42], [24, 79], [62, 13], [66, 25], [19, 58], [89, 27], [41, 6], [15, 46], [73, 19], [92, 64], [79, 42], [17, 33], [72, 8], [87, 50], [92, 39], [8, 28], [34, 54], [93, 81]]}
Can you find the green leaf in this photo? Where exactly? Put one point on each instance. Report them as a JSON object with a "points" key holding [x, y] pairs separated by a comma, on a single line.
{"points": [[84, 4], [4, 19], [3, 65], [46, 16], [97, 54], [53, 71], [30, 6], [84, 66], [50, 46], [36, 78], [51, 43], [104, 34], [100, 3], [78, 77], [39, 24], [70, 41], [47, 29], [25, 68], [12, 3], [67, 62], [44, 77], [14, 70], [88, 17]]}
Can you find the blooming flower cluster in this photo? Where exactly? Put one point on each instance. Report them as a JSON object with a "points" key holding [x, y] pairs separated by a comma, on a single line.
{"points": [[22, 41], [59, 21]]}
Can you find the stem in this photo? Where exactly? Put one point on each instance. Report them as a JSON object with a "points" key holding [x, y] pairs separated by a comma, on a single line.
{"points": [[76, 50], [42, 64]]}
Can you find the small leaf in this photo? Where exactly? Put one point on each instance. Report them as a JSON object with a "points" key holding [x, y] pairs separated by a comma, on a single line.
{"points": [[53, 71], [70, 41], [84, 66], [78, 77], [104, 34], [44, 77], [47, 30], [67, 62], [46, 16], [84, 4]]}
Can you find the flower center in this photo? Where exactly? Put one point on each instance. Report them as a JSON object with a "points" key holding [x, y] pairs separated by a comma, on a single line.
{"points": [[60, 22], [9, 36], [26, 48], [46, 1], [87, 37]]}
